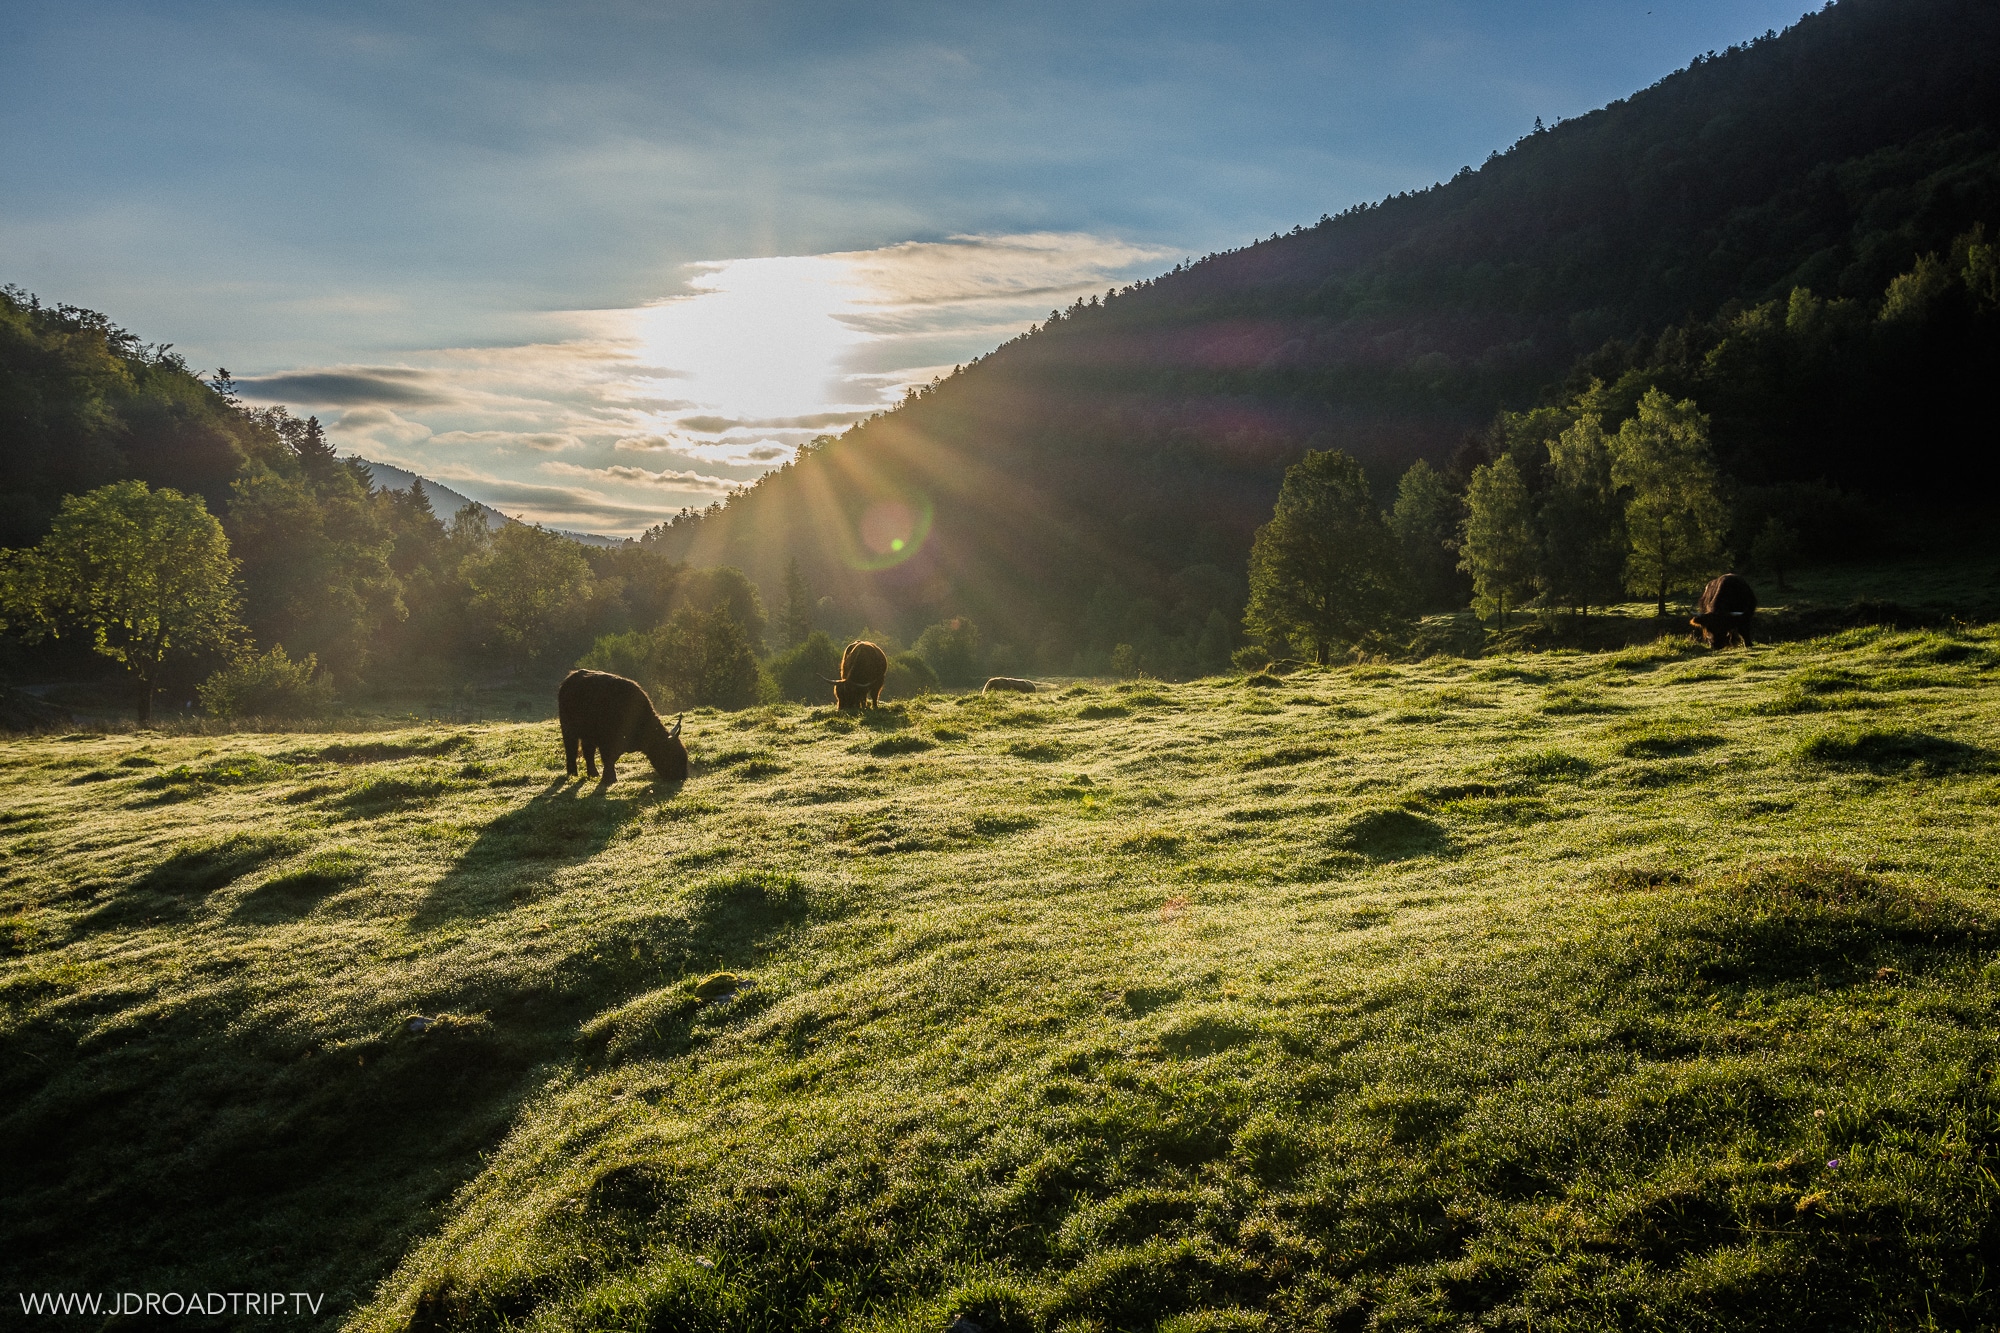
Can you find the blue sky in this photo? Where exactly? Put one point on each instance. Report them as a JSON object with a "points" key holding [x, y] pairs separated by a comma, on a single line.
{"points": [[592, 261]]}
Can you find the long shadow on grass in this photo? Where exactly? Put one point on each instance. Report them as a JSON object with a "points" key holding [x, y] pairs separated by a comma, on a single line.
{"points": [[564, 824], [192, 871]]}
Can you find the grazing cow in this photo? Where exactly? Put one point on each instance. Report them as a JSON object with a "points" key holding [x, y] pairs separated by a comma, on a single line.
{"points": [[609, 715], [863, 670], [1727, 610], [1009, 683]]}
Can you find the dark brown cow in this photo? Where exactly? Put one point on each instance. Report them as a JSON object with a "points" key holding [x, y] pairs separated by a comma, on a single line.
{"points": [[609, 715], [1009, 683], [1726, 610], [864, 669]]}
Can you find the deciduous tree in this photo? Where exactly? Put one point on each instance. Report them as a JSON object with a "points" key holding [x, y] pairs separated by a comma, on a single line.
{"points": [[1675, 516], [1498, 547], [1425, 522], [147, 574], [1582, 531], [528, 589], [1324, 571]]}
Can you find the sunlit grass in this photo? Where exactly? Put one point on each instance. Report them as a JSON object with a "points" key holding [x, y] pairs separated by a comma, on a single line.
{"points": [[1537, 990]]}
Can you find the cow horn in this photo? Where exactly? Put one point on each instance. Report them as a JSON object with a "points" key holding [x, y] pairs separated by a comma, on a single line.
{"points": [[676, 732], [831, 681]]}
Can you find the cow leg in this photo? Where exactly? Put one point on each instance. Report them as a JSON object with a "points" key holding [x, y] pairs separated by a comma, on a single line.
{"points": [[590, 758], [610, 768], [571, 747], [875, 697]]}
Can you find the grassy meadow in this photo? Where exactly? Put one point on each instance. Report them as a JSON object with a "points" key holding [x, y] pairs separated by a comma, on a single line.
{"points": [[1653, 988]]}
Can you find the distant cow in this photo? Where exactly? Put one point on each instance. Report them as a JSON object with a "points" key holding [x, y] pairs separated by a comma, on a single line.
{"points": [[1009, 683], [609, 715], [1727, 610], [863, 670]]}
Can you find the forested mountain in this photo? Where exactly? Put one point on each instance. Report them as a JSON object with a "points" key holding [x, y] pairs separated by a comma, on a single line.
{"points": [[1098, 480]]}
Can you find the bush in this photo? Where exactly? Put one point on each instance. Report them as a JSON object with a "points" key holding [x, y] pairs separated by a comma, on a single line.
{"points": [[1250, 657], [269, 686], [698, 659], [909, 676], [801, 673], [951, 648], [629, 655]]}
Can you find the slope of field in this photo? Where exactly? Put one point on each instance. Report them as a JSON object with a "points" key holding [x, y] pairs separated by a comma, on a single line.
{"points": [[1646, 989]]}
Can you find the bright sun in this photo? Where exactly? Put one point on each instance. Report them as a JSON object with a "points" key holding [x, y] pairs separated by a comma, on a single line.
{"points": [[762, 339]]}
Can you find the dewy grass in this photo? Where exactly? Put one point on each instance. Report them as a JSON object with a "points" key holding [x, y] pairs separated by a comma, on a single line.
{"points": [[1566, 991]]}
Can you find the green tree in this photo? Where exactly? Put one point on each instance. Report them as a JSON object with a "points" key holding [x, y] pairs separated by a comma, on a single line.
{"points": [[1425, 522], [729, 587], [1582, 532], [1498, 546], [795, 620], [316, 545], [529, 590], [1675, 517], [703, 659], [1323, 571], [146, 573]]}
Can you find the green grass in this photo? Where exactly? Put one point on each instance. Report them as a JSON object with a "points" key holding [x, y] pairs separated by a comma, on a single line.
{"points": [[1559, 991]]}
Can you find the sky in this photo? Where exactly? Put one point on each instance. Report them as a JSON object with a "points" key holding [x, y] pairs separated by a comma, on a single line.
{"points": [[592, 262]]}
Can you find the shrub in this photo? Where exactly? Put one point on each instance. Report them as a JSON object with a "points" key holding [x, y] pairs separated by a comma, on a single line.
{"points": [[704, 659], [1250, 657], [698, 659], [951, 649], [629, 655], [272, 685], [909, 675], [802, 672]]}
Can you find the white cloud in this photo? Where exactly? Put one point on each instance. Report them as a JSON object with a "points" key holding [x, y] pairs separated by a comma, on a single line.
{"points": [[667, 477], [712, 387]]}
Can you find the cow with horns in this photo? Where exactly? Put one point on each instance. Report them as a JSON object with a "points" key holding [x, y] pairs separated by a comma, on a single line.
{"points": [[1727, 609], [864, 669], [603, 714]]}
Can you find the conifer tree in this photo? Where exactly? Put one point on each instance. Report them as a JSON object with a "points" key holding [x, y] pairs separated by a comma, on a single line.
{"points": [[1323, 572], [1675, 517], [1498, 546], [795, 619], [315, 451]]}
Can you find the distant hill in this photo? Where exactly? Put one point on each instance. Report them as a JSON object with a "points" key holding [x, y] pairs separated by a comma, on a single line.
{"points": [[1109, 467], [447, 502], [444, 500]]}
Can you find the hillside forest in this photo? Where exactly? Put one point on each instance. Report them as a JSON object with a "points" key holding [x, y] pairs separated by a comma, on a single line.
{"points": [[1755, 315]]}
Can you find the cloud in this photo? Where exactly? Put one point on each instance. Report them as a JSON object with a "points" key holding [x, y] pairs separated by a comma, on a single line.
{"points": [[380, 428], [985, 268], [338, 388], [548, 441], [667, 477], [811, 421]]}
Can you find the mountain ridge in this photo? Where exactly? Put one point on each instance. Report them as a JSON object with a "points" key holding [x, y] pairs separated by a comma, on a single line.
{"points": [[1130, 440]]}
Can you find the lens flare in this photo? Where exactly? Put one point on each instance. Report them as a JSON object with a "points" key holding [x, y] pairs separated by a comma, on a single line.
{"points": [[890, 531]]}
